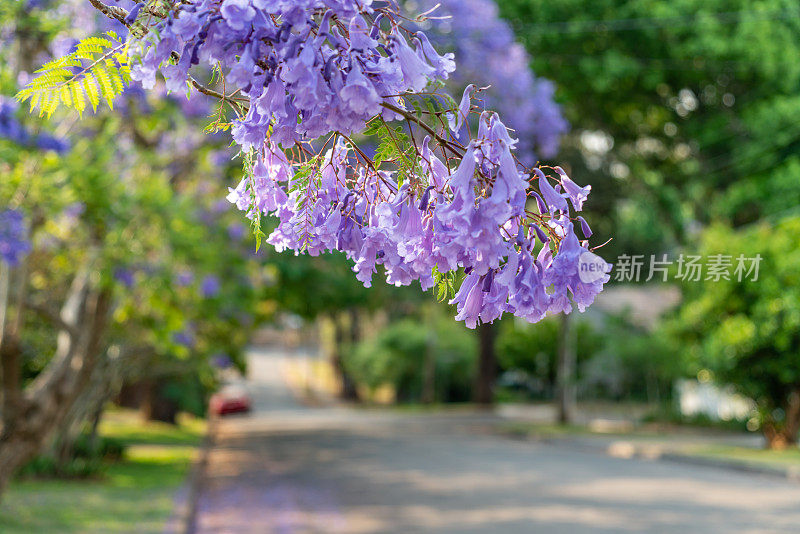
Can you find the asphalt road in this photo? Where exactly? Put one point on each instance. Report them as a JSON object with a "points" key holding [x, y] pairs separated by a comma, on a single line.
{"points": [[286, 469]]}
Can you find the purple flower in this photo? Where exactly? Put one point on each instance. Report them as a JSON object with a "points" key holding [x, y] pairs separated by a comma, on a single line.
{"points": [[210, 286], [416, 71], [443, 64], [184, 278], [529, 298], [306, 78], [469, 300], [133, 14], [221, 361], [185, 337], [13, 237], [585, 228], [564, 276], [124, 276], [186, 24], [237, 13], [495, 301], [461, 115], [487, 54], [551, 196], [577, 194], [360, 94]]}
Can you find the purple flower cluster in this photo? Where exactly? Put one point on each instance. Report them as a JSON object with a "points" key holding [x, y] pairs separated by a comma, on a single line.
{"points": [[304, 69], [12, 129], [307, 67], [488, 55], [186, 337], [473, 216], [221, 361], [210, 286], [125, 276], [13, 237]]}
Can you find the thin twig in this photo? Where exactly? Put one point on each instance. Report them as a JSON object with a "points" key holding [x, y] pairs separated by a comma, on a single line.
{"points": [[410, 116]]}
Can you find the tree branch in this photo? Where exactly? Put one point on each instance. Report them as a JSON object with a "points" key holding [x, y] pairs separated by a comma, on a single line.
{"points": [[52, 316], [73, 312], [206, 91], [112, 12], [5, 282]]}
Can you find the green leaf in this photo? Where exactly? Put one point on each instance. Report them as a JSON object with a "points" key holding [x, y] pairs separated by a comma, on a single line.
{"points": [[97, 69]]}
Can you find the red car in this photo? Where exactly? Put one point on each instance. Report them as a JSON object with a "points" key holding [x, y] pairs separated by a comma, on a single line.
{"points": [[232, 398]]}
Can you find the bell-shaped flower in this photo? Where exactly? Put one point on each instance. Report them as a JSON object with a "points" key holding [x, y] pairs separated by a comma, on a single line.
{"points": [[237, 13], [433, 167], [416, 72], [443, 64], [469, 300], [551, 196], [460, 116], [359, 94], [577, 194], [528, 298], [495, 301], [360, 38]]}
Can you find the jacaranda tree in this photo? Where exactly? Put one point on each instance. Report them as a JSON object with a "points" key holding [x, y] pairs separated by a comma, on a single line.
{"points": [[116, 258]]}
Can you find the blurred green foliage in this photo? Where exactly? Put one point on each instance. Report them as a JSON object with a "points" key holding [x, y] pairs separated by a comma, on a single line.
{"points": [[533, 350], [399, 354], [89, 456], [616, 360], [695, 103], [748, 333]]}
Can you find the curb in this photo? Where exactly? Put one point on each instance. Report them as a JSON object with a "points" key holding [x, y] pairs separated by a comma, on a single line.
{"points": [[195, 479], [628, 450], [791, 474]]}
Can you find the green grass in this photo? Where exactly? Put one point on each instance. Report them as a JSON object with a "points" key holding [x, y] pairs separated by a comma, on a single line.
{"points": [[762, 457], [127, 426], [543, 430], [133, 495], [784, 459]]}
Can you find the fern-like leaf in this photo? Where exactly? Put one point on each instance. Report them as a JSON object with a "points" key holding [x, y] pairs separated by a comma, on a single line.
{"points": [[96, 71]]}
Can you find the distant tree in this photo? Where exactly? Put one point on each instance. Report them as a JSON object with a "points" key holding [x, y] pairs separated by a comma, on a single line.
{"points": [[748, 333], [683, 111]]}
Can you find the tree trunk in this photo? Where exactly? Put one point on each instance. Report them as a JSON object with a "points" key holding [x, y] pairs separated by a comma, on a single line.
{"points": [[483, 392], [131, 394], [783, 436], [105, 382], [157, 406], [15, 451], [428, 394], [346, 335], [429, 374], [566, 372], [31, 416], [94, 428]]}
